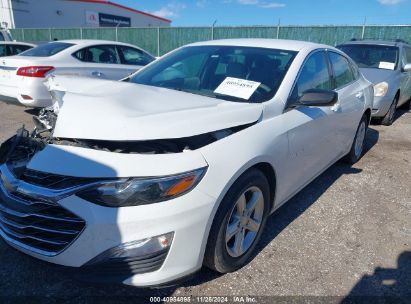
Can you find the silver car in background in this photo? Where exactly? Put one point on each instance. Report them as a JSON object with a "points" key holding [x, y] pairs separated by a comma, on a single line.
{"points": [[387, 64]]}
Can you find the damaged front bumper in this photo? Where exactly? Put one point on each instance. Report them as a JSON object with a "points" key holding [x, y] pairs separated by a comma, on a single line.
{"points": [[51, 223]]}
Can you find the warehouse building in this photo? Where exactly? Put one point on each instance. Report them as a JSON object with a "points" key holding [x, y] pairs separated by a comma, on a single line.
{"points": [[74, 13]]}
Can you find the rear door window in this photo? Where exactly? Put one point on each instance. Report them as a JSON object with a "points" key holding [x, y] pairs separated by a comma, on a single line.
{"points": [[14, 49], [98, 54], [3, 50], [47, 50], [343, 73], [134, 56]]}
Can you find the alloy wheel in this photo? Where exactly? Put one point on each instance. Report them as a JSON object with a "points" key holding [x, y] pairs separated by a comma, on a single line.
{"points": [[244, 222]]}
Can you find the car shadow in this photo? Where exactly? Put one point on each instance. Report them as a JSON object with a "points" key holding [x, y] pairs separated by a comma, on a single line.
{"points": [[32, 111], [399, 113], [296, 206], [390, 283]]}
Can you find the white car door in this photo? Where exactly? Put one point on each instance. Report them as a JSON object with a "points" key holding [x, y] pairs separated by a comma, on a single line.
{"points": [[313, 144], [351, 101]]}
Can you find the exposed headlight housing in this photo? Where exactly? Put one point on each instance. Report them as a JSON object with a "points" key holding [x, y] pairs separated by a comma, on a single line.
{"points": [[380, 89], [141, 191]]}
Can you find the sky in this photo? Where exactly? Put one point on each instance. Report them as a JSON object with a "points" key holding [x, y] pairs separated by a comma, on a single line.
{"points": [[269, 12]]}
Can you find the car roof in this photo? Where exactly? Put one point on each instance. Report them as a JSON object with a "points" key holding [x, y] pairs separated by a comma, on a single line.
{"points": [[80, 43], [17, 42], [291, 45], [375, 42], [85, 42]]}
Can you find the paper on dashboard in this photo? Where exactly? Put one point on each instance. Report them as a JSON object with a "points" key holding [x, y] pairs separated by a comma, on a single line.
{"points": [[236, 87], [386, 65]]}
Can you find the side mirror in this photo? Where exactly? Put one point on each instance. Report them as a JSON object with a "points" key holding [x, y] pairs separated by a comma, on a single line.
{"points": [[407, 68], [318, 98]]}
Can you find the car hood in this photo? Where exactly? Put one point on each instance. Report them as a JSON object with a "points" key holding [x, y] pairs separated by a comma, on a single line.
{"points": [[377, 75], [121, 111]]}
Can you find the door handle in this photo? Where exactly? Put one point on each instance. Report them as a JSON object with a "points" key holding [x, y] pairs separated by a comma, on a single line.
{"points": [[359, 95], [97, 74]]}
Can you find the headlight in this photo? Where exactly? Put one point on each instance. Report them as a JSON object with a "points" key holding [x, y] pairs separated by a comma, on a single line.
{"points": [[380, 89], [142, 191]]}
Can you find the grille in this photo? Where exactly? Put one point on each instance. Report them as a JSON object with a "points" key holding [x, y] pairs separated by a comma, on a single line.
{"points": [[39, 226], [53, 181], [121, 269]]}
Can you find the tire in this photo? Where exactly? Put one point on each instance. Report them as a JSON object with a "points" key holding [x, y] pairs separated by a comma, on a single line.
{"points": [[357, 147], [224, 256], [389, 117]]}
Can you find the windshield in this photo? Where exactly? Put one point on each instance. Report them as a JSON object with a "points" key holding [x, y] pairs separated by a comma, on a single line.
{"points": [[245, 74], [372, 56], [46, 50]]}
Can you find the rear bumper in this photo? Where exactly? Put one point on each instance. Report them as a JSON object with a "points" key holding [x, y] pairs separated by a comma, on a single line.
{"points": [[32, 87]]}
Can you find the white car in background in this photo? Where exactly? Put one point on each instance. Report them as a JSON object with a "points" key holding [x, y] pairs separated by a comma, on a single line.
{"points": [[11, 48], [143, 181], [22, 76]]}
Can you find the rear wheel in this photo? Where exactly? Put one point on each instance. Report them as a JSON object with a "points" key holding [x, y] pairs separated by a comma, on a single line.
{"points": [[238, 224], [389, 117], [357, 148]]}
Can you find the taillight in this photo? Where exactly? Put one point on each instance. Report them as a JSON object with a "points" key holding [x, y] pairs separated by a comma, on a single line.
{"points": [[34, 71]]}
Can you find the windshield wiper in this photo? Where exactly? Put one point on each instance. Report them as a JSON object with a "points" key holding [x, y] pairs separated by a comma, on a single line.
{"points": [[211, 95], [230, 98]]}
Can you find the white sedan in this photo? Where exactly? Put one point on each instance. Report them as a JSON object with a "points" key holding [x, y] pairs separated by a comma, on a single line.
{"points": [[22, 76], [144, 181]]}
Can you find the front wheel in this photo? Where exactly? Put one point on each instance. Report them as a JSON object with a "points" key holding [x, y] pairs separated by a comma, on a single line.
{"points": [[357, 148], [389, 117], [238, 224]]}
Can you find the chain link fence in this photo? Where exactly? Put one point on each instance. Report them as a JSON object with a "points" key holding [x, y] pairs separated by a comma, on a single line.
{"points": [[159, 41]]}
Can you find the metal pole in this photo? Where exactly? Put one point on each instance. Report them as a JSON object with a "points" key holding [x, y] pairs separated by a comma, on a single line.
{"points": [[116, 33], [278, 28], [50, 34], [212, 29], [158, 41], [22, 34], [81, 33], [363, 28]]}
